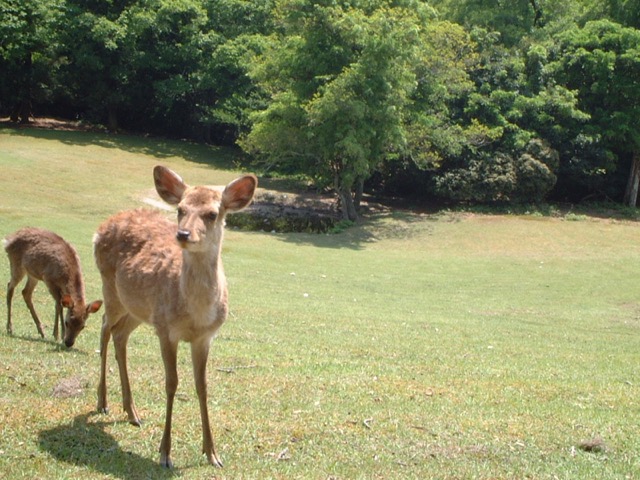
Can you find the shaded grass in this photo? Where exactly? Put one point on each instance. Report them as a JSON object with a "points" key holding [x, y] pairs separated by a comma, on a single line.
{"points": [[447, 345]]}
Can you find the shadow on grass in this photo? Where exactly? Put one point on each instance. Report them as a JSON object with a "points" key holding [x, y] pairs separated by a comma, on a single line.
{"points": [[56, 346], [350, 240], [346, 241], [86, 444], [225, 158], [368, 230], [218, 157]]}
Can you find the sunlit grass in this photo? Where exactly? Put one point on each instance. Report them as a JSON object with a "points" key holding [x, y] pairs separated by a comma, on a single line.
{"points": [[451, 345]]}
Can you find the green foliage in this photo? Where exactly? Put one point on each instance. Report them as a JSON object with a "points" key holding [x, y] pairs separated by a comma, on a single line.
{"points": [[161, 66], [27, 59], [339, 80], [535, 170], [446, 56], [507, 105], [503, 178], [337, 91], [602, 62], [341, 226], [513, 19]]}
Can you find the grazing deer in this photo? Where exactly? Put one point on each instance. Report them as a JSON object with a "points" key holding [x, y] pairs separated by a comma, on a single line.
{"points": [[169, 276], [43, 255]]}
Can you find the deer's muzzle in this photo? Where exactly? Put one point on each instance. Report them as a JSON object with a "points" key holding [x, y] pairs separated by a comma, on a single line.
{"points": [[183, 235]]}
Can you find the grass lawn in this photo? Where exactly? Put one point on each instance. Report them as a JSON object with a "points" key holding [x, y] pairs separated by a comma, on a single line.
{"points": [[445, 346]]}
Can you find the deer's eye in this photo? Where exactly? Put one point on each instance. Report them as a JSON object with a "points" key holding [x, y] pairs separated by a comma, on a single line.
{"points": [[180, 212], [211, 216]]}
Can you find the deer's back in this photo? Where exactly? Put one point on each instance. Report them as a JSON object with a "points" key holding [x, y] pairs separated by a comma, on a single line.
{"points": [[137, 254], [44, 255]]}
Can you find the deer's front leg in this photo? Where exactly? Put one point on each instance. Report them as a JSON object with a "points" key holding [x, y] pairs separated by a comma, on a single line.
{"points": [[60, 318], [169, 351], [199, 355], [10, 289]]}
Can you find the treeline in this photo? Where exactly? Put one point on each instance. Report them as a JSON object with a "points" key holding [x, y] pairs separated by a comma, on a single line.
{"points": [[463, 100]]}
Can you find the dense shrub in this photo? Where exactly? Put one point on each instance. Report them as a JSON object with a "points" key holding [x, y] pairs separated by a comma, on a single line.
{"points": [[503, 177]]}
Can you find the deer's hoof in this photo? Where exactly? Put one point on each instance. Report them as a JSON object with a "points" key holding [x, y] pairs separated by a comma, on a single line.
{"points": [[165, 461], [214, 460]]}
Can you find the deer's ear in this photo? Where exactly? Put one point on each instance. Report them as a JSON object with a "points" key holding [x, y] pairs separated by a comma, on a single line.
{"points": [[93, 307], [66, 301], [169, 184], [239, 193]]}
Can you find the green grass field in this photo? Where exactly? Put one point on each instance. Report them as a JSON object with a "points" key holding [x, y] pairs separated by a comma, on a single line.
{"points": [[413, 346]]}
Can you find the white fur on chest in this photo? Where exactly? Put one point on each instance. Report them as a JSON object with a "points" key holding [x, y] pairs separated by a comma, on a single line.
{"points": [[206, 308]]}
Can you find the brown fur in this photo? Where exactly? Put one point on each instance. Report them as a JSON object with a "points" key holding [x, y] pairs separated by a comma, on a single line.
{"points": [[171, 277], [42, 255]]}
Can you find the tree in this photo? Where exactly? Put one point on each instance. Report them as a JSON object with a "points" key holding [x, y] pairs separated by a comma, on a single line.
{"points": [[162, 66], [506, 123], [442, 69], [95, 63], [514, 19], [27, 41], [601, 61], [624, 12], [339, 77], [229, 94], [169, 42]]}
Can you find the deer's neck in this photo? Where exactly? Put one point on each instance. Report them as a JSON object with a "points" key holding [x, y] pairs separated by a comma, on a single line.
{"points": [[202, 279], [75, 287]]}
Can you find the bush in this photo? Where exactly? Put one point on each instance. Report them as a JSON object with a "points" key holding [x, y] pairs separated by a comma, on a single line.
{"points": [[503, 178]]}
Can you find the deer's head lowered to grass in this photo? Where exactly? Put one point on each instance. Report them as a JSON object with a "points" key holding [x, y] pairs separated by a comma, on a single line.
{"points": [[42, 255]]}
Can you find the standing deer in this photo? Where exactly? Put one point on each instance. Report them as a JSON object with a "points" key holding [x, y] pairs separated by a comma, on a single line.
{"points": [[171, 277], [43, 255]]}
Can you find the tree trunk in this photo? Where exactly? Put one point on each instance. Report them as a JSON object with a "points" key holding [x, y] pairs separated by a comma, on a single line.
{"points": [[631, 192], [345, 197], [15, 113], [22, 109], [537, 10], [348, 208], [112, 113], [359, 192]]}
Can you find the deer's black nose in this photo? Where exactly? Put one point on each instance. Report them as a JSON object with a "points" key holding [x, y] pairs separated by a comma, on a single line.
{"points": [[183, 235]]}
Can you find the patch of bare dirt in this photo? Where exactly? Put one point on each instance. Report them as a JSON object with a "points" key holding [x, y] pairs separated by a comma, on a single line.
{"points": [[310, 212], [68, 387], [288, 212], [47, 123]]}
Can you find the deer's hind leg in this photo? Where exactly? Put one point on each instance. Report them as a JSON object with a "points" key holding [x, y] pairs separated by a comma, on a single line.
{"points": [[17, 274], [117, 324], [121, 332], [10, 289], [105, 336], [27, 294]]}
